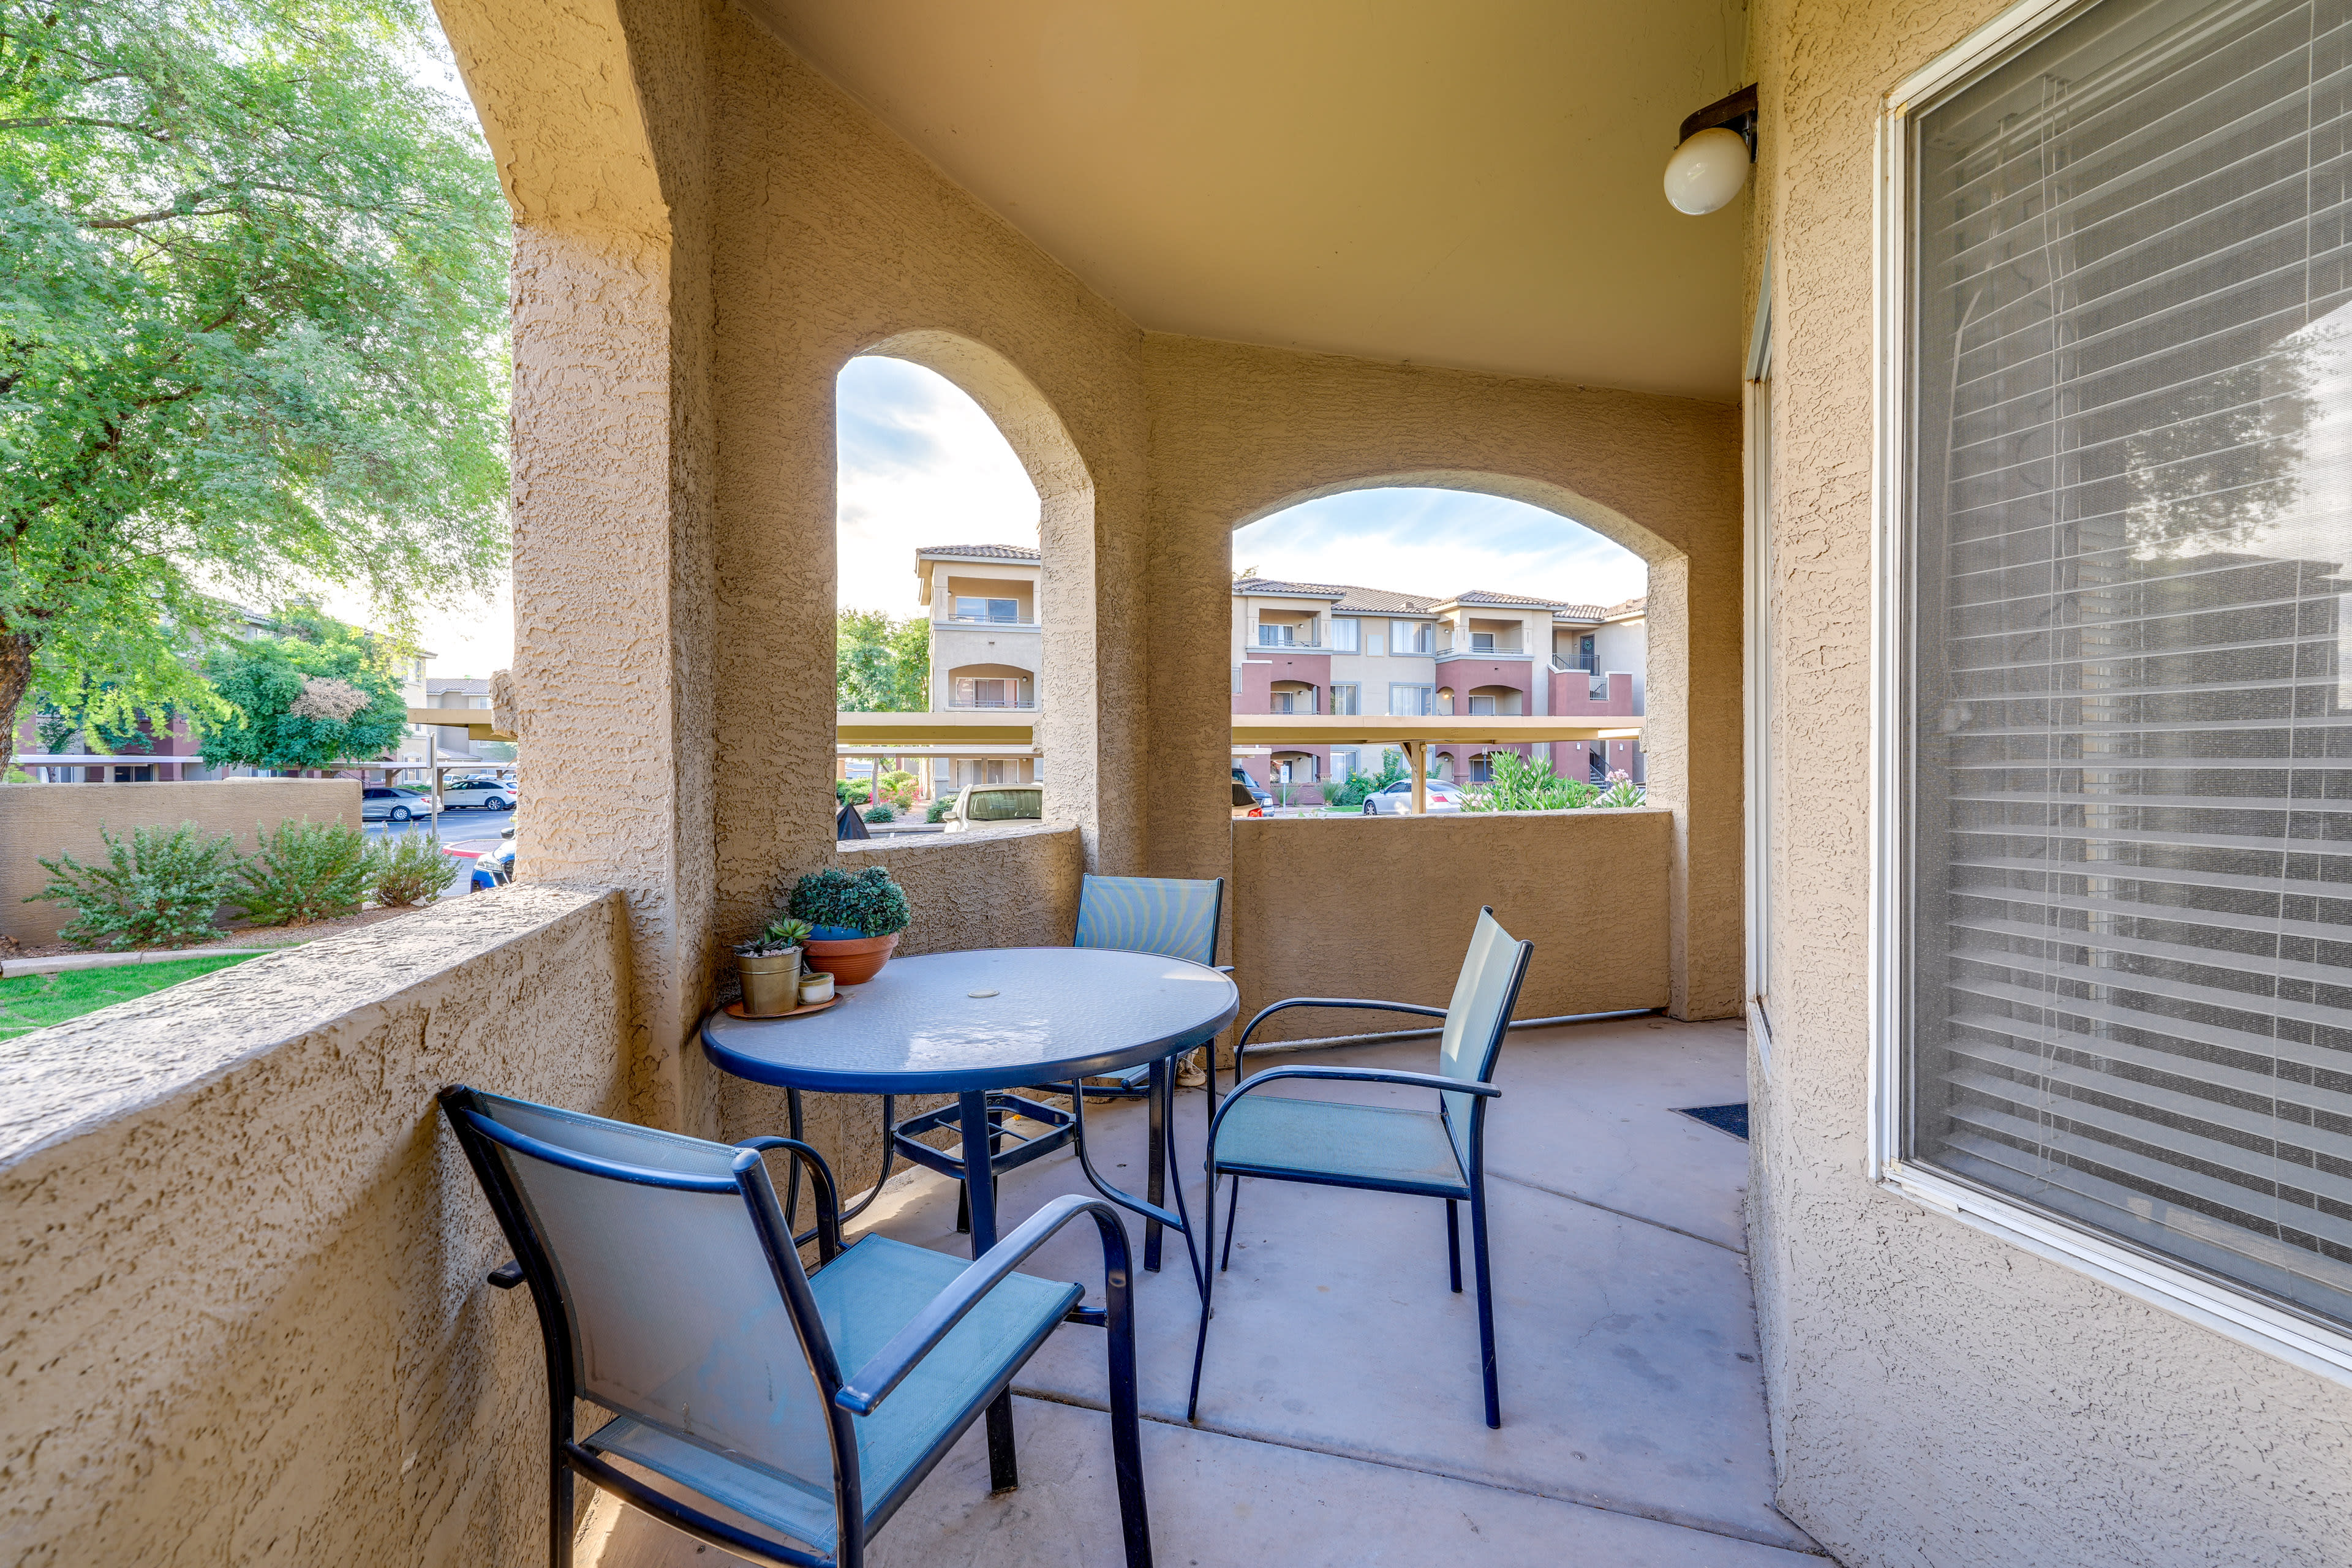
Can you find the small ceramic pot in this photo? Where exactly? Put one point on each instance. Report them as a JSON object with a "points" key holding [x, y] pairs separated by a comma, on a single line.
{"points": [[770, 986], [854, 962]]}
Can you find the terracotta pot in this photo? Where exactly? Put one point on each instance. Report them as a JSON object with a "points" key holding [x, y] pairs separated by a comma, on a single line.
{"points": [[851, 962], [770, 985]]}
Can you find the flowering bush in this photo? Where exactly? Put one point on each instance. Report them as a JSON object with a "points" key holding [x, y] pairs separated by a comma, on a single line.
{"points": [[1621, 790]]}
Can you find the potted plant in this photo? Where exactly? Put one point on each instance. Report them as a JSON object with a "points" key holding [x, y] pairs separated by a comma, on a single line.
{"points": [[770, 967], [854, 920]]}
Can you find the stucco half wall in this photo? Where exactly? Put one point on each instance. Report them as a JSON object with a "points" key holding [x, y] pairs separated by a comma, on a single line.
{"points": [[1015, 887], [245, 1312], [1382, 907], [43, 821], [1937, 1395]]}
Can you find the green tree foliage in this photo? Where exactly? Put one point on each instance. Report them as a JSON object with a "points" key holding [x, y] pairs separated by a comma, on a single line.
{"points": [[305, 871], [159, 889], [1349, 794], [318, 696], [868, 902], [253, 294], [881, 666], [1527, 784]]}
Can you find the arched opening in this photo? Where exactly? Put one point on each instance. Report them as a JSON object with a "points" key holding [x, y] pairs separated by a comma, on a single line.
{"points": [[1445, 596], [940, 597]]}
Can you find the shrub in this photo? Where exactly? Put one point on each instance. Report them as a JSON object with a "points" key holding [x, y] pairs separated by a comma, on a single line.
{"points": [[868, 903], [937, 811], [159, 889], [305, 871], [1525, 783], [1621, 790], [852, 792], [883, 813], [1349, 794], [410, 868]]}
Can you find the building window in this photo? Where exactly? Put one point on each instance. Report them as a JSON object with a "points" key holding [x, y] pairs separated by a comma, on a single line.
{"points": [[1275, 635], [1343, 765], [993, 610], [973, 692], [1481, 706], [1412, 636], [1296, 701], [1343, 634], [1347, 699], [1482, 642], [1412, 700], [1482, 769], [2119, 857]]}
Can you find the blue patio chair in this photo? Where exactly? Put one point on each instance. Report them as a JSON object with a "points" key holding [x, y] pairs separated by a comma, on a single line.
{"points": [[1437, 1154], [739, 1386]]}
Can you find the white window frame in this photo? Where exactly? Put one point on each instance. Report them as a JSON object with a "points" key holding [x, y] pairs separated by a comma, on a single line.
{"points": [[2221, 1308], [1345, 634]]}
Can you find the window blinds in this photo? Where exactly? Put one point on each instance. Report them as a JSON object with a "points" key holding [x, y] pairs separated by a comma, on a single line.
{"points": [[2128, 783]]}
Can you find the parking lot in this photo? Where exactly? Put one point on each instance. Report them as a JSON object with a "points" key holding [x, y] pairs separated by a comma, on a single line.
{"points": [[472, 829]]}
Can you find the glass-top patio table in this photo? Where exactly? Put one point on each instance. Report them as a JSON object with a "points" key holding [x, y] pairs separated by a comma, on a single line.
{"points": [[988, 1019]]}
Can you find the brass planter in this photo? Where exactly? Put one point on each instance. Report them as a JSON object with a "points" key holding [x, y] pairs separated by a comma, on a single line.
{"points": [[771, 986]]}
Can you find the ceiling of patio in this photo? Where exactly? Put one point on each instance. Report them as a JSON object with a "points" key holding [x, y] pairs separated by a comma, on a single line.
{"points": [[1473, 185]]}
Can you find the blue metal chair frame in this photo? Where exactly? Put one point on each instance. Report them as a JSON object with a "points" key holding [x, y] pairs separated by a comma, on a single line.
{"points": [[1467, 1145], [846, 1397]]}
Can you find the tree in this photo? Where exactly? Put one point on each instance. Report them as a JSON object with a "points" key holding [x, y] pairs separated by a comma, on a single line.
{"points": [[321, 696], [253, 291], [881, 666]]}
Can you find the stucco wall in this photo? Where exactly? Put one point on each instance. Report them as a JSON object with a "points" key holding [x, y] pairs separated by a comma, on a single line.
{"points": [[1003, 887], [1937, 1395], [43, 821], [1239, 431], [1382, 907], [244, 1317]]}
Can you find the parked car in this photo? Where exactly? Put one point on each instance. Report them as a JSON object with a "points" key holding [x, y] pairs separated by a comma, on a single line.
{"points": [[496, 870], [381, 803], [489, 794], [1245, 802], [1258, 792], [982, 804], [1397, 799]]}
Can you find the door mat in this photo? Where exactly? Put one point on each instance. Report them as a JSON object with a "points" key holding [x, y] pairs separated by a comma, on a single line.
{"points": [[1731, 1118]]}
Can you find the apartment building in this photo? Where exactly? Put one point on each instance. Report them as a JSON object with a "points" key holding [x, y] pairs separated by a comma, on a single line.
{"points": [[1342, 647], [986, 636]]}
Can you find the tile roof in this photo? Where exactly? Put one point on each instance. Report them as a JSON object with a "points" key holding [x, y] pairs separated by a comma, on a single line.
{"points": [[1518, 601], [984, 551], [1625, 609], [461, 685], [1289, 590]]}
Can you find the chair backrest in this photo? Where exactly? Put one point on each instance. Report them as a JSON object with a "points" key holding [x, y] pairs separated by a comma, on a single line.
{"points": [[1163, 915], [1484, 994], [679, 1311]]}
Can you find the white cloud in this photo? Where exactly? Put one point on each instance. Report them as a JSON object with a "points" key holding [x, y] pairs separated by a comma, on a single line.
{"points": [[1440, 542], [920, 464]]}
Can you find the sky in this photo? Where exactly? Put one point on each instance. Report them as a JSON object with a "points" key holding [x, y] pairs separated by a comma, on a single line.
{"points": [[922, 465]]}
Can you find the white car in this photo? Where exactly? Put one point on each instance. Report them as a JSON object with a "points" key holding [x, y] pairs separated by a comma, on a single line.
{"points": [[379, 803], [488, 794], [1397, 799], [986, 803]]}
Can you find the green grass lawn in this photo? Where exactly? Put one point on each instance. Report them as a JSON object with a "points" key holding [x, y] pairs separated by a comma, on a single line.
{"points": [[35, 1001]]}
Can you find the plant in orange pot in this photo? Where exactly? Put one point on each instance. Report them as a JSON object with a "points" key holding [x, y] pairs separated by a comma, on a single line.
{"points": [[855, 921]]}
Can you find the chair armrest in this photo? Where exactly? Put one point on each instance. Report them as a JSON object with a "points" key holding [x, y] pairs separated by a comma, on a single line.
{"points": [[872, 1383], [1437, 1081], [1361, 1003], [828, 1196]]}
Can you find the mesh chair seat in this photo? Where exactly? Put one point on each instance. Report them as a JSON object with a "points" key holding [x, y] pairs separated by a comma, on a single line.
{"points": [[867, 1295], [1348, 1145]]}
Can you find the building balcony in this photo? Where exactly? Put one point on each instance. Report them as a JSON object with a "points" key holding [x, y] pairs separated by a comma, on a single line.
{"points": [[1277, 637]]}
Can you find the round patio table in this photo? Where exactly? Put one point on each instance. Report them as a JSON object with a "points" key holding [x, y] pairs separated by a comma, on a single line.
{"points": [[988, 1019]]}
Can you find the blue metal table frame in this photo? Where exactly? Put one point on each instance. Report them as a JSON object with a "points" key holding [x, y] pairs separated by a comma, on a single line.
{"points": [[985, 1020]]}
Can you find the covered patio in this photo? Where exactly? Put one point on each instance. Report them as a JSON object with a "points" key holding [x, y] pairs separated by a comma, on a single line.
{"points": [[1340, 1418]]}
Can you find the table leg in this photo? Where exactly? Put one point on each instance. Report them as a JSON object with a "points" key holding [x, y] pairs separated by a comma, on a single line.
{"points": [[1164, 1078], [980, 1190]]}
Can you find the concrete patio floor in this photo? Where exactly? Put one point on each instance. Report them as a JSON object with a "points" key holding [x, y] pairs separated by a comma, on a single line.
{"points": [[1341, 1420]]}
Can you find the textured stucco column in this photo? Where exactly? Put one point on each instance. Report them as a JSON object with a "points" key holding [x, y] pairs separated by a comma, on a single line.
{"points": [[597, 118], [1239, 432]]}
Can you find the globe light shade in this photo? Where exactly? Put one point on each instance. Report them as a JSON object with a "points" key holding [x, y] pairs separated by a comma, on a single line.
{"points": [[1707, 171]]}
